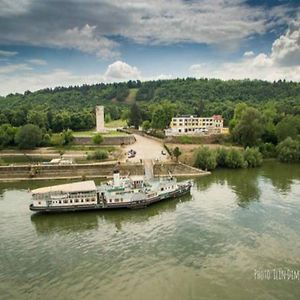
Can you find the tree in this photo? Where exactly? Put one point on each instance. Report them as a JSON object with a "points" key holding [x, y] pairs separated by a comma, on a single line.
{"points": [[288, 150], [135, 116], [7, 135], [288, 127], [38, 118], [176, 153], [146, 125], [252, 157], [67, 136], [249, 129], [206, 159], [159, 119], [28, 136], [97, 139], [221, 156], [234, 159]]}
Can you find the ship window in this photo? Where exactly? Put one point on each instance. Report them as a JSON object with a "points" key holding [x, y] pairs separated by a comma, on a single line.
{"points": [[162, 189], [81, 200], [109, 200], [87, 200], [59, 201], [71, 201], [76, 200], [65, 201], [39, 202]]}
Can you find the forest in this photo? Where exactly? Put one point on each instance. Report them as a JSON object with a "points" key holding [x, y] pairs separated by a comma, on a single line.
{"points": [[270, 109]]}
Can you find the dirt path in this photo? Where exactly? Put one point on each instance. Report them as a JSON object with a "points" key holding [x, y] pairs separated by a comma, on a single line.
{"points": [[146, 148]]}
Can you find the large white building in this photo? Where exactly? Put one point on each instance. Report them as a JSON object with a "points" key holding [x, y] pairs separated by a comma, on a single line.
{"points": [[193, 125]]}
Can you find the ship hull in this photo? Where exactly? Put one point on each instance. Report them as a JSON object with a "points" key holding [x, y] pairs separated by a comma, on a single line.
{"points": [[132, 205]]}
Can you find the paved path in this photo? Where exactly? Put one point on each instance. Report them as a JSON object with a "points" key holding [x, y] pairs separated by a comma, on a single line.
{"points": [[146, 148]]}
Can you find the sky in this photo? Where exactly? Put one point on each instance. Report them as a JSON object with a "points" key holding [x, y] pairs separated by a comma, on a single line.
{"points": [[73, 42]]}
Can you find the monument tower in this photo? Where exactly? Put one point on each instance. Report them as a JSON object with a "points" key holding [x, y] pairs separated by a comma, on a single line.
{"points": [[100, 119]]}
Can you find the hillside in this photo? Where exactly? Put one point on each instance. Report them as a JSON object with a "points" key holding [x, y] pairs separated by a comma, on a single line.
{"points": [[189, 95]]}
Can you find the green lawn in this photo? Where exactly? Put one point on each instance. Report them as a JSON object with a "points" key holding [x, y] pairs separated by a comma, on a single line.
{"points": [[90, 133], [116, 123]]}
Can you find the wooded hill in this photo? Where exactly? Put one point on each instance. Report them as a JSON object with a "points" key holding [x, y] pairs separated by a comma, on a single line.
{"points": [[189, 96]]}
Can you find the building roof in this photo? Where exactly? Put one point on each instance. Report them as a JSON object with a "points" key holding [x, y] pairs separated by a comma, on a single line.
{"points": [[217, 117], [81, 186]]}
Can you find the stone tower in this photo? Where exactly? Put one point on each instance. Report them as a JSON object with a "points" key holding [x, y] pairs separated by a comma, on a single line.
{"points": [[100, 119]]}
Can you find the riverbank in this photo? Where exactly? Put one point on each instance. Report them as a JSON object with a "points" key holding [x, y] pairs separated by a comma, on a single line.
{"points": [[95, 170]]}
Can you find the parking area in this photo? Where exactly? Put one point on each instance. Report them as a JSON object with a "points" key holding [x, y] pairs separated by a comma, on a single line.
{"points": [[146, 148]]}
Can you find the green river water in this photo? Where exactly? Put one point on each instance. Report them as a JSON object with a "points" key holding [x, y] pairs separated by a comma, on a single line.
{"points": [[222, 242]]}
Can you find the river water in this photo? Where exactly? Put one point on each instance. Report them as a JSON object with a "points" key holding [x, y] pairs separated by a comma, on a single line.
{"points": [[222, 242]]}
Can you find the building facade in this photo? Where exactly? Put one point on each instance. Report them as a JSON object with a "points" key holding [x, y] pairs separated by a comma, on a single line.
{"points": [[193, 125]]}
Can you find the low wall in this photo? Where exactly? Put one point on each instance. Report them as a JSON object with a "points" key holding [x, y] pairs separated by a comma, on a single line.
{"points": [[103, 170], [107, 140]]}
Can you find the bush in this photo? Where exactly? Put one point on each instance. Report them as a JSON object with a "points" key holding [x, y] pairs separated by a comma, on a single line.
{"points": [[28, 136], [57, 140], [252, 157], [98, 155], [221, 156], [288, 150], [185, 139], [206, 159], [177, 153], [234, 159], [97, 139], [267, 150]]}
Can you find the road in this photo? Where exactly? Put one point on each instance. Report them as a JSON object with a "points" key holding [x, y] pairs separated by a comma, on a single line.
{"points": [[146, 148]]}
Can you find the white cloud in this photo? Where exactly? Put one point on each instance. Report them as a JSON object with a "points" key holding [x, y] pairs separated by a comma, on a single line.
{"points": [[11, 68], [8, 53], [14, 7], [89, 26], [37, 61], [248, 54], [286, 49], [86, 40], [282, 63], [30, 80], [120, 70]]}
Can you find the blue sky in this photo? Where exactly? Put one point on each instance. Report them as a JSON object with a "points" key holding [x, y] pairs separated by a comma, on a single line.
{"points": [[68, 42]]}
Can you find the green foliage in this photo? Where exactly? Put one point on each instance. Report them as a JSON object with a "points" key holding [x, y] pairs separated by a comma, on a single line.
{"points": [[62, 139], [135, 118], [67, 137], [206, 159], [98, 155], [267, 150], [221, 153], [28, 136], [146, 125], [176, 153], [288, 127], [253, 157], [7, 135], [249, 128], [38, 118], [97, 139], [185, 139], [234, 159], [288, 150]]}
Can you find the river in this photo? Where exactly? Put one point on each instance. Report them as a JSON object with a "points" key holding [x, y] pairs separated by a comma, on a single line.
{"points": [[228, 240]]}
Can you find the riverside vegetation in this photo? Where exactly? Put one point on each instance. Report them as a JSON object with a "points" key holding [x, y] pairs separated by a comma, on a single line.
{"points": [[258, 113]]}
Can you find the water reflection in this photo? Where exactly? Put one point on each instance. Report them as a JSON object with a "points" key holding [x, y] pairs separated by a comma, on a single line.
{"points": [[62, 222], [281, 175], [244, 183]]}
